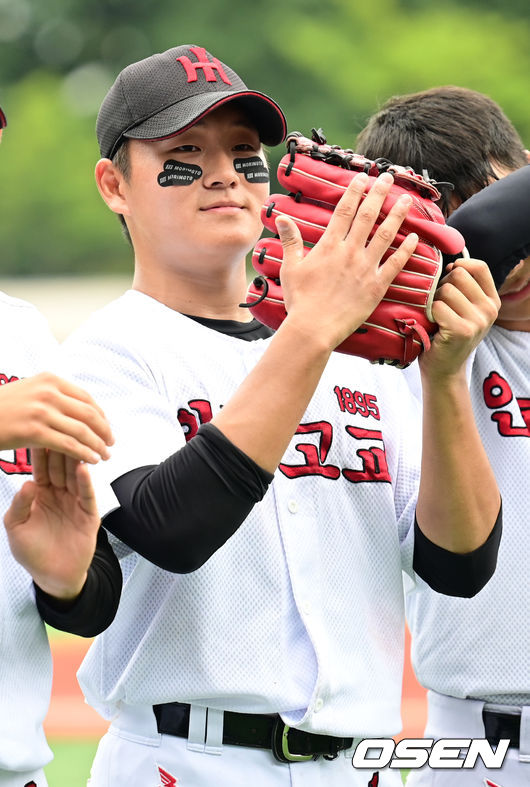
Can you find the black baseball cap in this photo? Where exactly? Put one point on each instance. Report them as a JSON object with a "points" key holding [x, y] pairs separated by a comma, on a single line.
{"points": [[168, 92], [3, 119]]}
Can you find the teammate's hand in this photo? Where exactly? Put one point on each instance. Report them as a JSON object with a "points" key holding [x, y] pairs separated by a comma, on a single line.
{"points": [[465, 307], [339, 283], [46, 411], [52, 524]]}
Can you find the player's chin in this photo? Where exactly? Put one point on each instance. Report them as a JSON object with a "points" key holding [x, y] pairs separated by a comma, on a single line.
{"points": [[514, 311], [243, 236]]}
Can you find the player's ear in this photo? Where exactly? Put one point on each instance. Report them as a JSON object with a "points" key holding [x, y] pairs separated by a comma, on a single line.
{"points": [[527, 153], [110, 182]]}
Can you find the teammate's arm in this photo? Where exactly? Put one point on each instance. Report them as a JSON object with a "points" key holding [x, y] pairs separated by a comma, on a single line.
{"points": [[53, 529], [46, 411], [459, 501]]}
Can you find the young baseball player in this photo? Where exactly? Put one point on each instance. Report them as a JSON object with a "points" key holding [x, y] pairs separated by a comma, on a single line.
{"points": [[55, 562], [263, 488], [472, 654]]}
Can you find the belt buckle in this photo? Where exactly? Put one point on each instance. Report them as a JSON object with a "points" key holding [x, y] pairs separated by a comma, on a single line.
{"points": [[280, 744]]}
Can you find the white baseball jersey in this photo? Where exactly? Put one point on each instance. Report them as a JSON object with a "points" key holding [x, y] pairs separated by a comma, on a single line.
{"points": [[480, 647], [301, 612], [25, 661]]}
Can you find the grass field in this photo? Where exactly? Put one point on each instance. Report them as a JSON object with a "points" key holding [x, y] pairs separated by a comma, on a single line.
{"points": [[71, 764]]}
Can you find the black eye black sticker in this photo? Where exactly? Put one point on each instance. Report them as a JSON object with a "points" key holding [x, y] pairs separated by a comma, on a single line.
{"points": [[177, 173], [253, 168]]}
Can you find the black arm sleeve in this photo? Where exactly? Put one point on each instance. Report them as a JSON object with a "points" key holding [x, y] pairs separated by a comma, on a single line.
{"points": [[495, 225], [178, 513], [95, 607], [454, 574]]}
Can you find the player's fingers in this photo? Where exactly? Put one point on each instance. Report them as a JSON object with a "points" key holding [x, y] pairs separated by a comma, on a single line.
{"points": [[20, 508], [396, 261], [369, 210], [70, 466], [57, 440], [466, 297], [74, 391], [85, 490], [39, 465], [88, 415], [386, 232], [56, 392], [481, 274], [347, 209], [72, 436], [57, 469], [291, 238]]}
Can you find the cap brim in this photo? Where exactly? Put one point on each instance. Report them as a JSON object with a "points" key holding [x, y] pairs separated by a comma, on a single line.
{"points": [[262, 111]]}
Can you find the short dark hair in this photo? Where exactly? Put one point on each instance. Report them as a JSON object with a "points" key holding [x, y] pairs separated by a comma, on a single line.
{"points": [[456, 134], [122, 162]]}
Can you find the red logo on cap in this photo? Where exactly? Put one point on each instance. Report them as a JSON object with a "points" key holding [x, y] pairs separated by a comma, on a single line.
{"points": [[209, 67]]}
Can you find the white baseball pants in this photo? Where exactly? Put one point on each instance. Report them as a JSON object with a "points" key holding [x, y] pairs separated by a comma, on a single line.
{"points": [[449, 717], [134, 754]]}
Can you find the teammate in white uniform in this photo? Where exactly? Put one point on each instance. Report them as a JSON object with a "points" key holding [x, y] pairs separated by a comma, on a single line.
{"points": [[51, 529], [260, 619], [473, 654]]}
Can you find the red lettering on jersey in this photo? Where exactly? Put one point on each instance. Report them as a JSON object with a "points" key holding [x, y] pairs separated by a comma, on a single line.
{"points": [[189, 421], [357, 402], [489, 783], [4, 379], [374, 781], [375, 467], [315, 457], [524, 406], [209, 67], [21, 464], [497, 392], [506, 428]]}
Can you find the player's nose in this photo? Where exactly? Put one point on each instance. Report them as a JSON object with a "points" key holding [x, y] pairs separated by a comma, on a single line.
{"points": [[219, 171]]}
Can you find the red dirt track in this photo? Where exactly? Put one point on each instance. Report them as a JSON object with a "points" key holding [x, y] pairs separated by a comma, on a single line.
{"points": [[70, 717]]}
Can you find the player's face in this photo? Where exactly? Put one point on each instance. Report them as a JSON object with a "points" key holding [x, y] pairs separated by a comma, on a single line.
{"points": [[217, 210], [515, 298]]}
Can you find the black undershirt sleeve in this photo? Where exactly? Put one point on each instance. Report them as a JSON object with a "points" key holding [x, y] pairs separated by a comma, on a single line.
{"points": [[95, 607], [454, 574], [178, 513]]}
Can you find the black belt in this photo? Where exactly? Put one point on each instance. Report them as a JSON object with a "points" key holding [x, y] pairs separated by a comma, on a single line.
{"points": [[257, 731], [500, 726]]}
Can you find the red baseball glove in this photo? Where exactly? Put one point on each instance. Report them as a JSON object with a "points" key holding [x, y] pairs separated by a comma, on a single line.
{"points": [[316, 175]]}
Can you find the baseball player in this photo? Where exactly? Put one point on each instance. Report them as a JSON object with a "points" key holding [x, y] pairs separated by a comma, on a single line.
{"points": [[55, 562], [263, 488], [472, 654]]}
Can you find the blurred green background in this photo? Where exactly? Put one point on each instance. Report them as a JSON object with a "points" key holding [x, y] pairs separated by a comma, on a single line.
{"points": [[328, 63]]}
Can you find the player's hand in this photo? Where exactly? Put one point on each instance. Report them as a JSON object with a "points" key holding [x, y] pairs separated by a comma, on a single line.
{"points": [[46, 411], [340, 282], [465, 307], [52, 524]]}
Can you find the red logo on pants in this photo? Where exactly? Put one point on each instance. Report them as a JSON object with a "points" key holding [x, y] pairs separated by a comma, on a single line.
{"points": [[166, 779]]}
